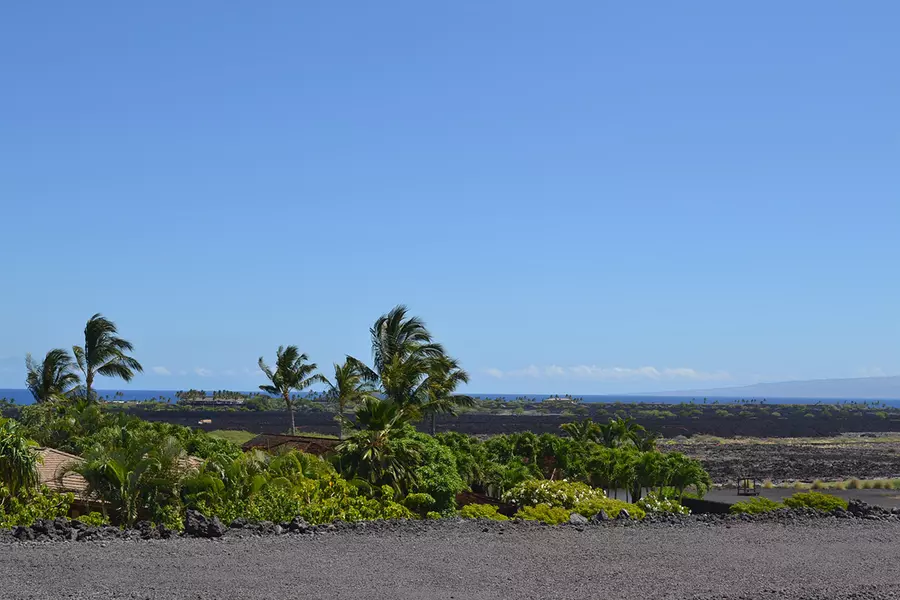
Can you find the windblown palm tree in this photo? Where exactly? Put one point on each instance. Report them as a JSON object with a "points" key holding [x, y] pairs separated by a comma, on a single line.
{"points": [[104, 353], [349, 388], [291, 373], [18, 460], [402, 354], [53, 378], [443, 378]]}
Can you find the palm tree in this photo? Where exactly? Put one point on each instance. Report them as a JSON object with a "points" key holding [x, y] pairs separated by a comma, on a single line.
{"points": [[18, 460], [291, 373], [103, 353], [349, 388], [619, 432], [53, 378], [582, 431], [134, 475], [402, 353], [443, 378], [369, 454]]}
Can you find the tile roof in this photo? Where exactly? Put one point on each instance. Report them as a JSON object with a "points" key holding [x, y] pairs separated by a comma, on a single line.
{"points": [[53, 466]]}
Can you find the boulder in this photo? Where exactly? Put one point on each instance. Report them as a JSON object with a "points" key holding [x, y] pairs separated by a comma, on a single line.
{"points": [[215, 528], [576, 519], [238, 523], [43, 527], [623, 515], [22, 533], [196, 524], [600, 517]]}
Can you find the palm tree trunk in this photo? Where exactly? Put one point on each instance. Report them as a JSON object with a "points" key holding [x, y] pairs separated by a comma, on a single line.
{"points": [[88, 384], [290, 407], [433, 423]]}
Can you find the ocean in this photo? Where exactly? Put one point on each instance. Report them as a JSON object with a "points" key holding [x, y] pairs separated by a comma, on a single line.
{"points": [[21, 396]]}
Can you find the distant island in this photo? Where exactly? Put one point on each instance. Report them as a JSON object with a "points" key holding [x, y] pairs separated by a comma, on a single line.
{"points": [[859, 388]]}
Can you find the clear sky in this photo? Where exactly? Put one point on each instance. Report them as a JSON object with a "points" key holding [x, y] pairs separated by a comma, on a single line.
{"points": [[578, 197]]}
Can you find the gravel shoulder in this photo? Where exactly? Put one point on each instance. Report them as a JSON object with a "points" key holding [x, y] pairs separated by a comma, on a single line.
{"points": [[825, 558]]}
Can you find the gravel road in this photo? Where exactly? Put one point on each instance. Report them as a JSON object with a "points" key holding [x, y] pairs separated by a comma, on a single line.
{"points": [[826, 559]]}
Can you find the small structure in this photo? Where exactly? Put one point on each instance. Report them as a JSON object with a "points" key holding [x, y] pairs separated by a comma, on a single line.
{"points": [[748, 486], [271, 442]]}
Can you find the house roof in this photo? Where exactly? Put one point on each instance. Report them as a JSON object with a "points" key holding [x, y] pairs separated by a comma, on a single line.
{"points": [[52, 467], [308, 444]]}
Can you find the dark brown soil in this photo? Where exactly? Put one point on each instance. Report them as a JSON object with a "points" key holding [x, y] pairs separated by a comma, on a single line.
{"points": [[779, 460], [668, 420]]}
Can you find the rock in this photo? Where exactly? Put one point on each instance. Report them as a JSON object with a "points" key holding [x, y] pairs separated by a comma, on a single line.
{"points": [[43, 527], [238, 523], [278, 529], [576, 519], [164, 532], [623, 515], [215, 528], [600, 517], [197, 525], [23, 533], [88, 533], [298, 525]]}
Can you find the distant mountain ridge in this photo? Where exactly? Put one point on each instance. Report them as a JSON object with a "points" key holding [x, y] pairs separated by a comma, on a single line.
{"points": [[858, 388]]}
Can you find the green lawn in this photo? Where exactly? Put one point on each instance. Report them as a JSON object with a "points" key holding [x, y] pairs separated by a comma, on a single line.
{"points": [[236, 436]]}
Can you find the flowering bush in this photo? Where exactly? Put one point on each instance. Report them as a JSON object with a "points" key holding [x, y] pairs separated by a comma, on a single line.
{"points": [[481, 511], [653, 503], [544, 513], [559, 494]]}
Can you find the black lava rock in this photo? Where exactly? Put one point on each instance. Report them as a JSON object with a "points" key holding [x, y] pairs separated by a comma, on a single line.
{"points": [[298, 525], [576, 519], [600, 517], [196, 524]]}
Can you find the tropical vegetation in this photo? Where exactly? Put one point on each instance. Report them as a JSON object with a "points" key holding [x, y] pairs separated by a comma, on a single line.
{"points": [[382, 466]]}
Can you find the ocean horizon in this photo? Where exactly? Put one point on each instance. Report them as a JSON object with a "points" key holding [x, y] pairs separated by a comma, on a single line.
{"points": [[24, 397]]}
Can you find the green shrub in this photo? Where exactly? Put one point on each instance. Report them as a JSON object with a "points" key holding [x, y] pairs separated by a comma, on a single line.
{"points": [[610, 506], [816, 500], [419, 503], [755, 506], [482, 511], [95, 519], [29, 505], [544, 514], [560, 494]]}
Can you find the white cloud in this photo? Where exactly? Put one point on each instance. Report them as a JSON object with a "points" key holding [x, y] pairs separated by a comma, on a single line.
{"points": [[871, 372], [161, 371], [203, 372], [597, 373]]}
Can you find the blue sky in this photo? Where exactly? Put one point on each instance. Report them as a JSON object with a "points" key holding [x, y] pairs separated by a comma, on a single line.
{"points": [[588, 197]]}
